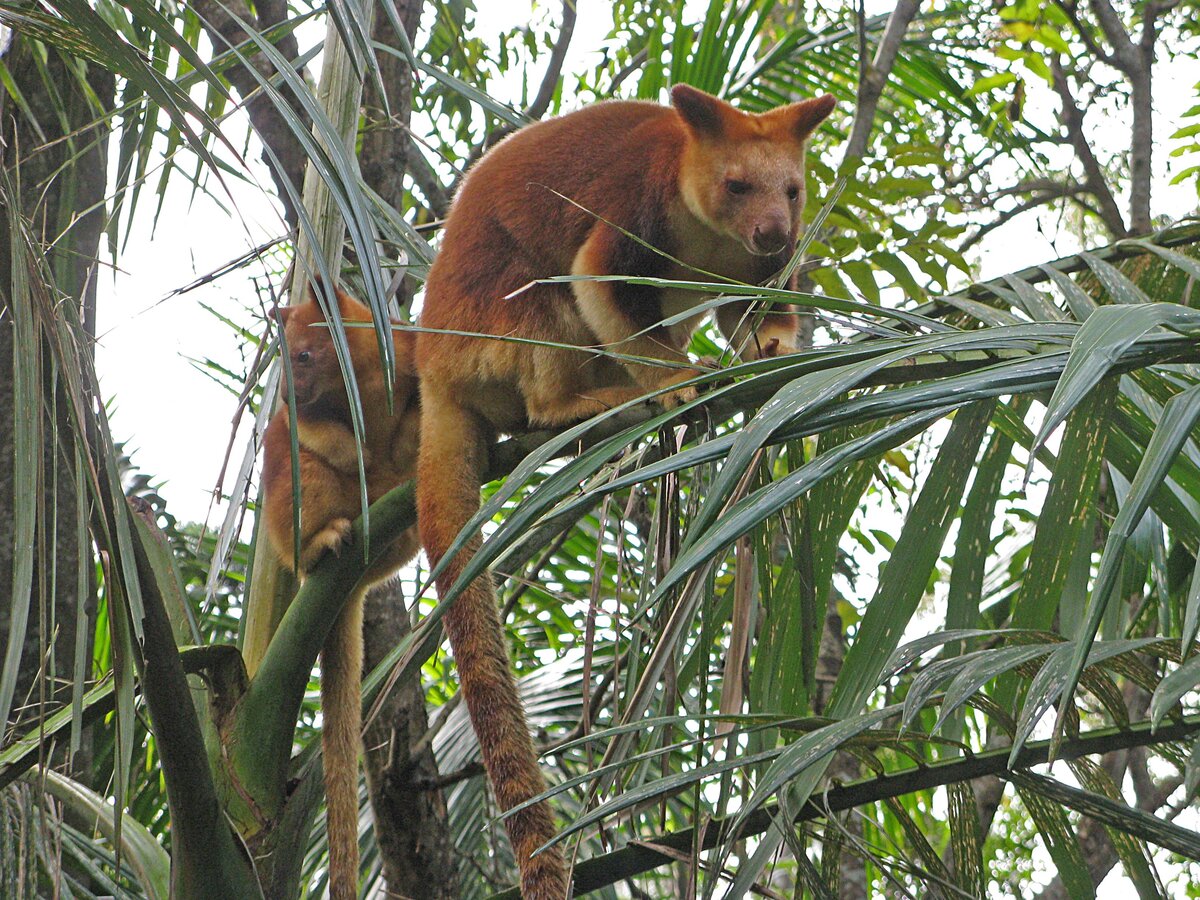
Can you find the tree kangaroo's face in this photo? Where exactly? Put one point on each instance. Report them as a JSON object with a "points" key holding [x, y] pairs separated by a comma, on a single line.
{"points": [[743, 174], [316, 382]]}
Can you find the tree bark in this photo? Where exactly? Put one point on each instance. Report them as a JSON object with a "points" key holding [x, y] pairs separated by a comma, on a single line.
{"points": [[410, 818], [411, 829], [62, 189], [282, 152]]}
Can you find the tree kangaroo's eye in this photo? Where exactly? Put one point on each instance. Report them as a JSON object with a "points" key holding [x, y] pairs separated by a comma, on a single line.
{"points": [[735, 186], [303, 356], [793, 192]]}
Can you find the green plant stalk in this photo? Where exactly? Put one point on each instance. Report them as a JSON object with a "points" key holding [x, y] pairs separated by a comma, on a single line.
{"points": [[259, 740], [208, 860]]}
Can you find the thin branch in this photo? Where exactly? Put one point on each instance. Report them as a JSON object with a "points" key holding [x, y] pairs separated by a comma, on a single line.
{"points": [[870, 86], [1043, 195], [636, 62], [273, 130], [425, 177], [558, 55], [634, 859], [1124, 56], [1032, 185], [1085, 33], [1072, 119], [541, 103], [1004, 218]]}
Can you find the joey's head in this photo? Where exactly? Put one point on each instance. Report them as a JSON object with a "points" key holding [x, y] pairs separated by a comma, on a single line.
{"points": [[742, 174], [317, 382]]}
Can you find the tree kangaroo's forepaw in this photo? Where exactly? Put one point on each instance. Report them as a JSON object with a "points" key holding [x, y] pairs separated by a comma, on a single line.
{"points": [[330, 539], [686, 394], [773, 347], [678, 397]]}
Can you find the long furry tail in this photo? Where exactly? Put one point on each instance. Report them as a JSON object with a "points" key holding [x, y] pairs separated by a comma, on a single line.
{"points": [[453, 448], [341, 705]]}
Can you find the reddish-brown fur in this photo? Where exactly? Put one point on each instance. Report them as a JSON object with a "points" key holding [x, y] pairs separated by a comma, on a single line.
{"points": [[717, 189], [329, 502]]}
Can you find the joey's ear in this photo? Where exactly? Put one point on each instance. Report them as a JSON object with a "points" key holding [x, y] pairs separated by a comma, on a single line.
{"points": [[352, 310], [280, 314], [804, 117], [702, 112], [318, 291]]}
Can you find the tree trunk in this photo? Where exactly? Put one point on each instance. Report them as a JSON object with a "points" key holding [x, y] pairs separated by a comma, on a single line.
{"points": [[410, 819], [62, 188]]}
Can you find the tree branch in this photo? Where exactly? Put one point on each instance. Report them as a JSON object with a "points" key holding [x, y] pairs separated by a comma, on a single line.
{"points": [[983, 230], [541, 102], [870, 86], [634, 859], [1072, 119], [1124, 55], [1136, 62], [1047, 194], [558, 55], [426, 178], [273, 130], [1071, 10], [1141, 142]]}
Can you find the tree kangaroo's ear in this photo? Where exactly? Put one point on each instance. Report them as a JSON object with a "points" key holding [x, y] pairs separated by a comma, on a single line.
{"points": [[702, 112], [804, 117]]}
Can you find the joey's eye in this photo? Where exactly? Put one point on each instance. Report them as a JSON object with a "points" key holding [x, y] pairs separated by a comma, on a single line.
{"points": [[303, 356], [793, 192], [736, 186]]}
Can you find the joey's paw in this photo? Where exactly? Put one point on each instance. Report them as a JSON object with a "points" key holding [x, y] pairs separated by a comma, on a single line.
{"points": [[678, 397], [687, 393], [335, 535], [773, 347]]}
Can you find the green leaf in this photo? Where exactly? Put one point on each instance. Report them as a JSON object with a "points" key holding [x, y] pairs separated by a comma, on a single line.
{"points": [[1176, 426], [1107, 334], [1078, 300], [901, 587], [1175, 685], [1120, 288], [974, 544], [1120, 816], [1059, 837], [1062, 523], [756, 507], [138, 847], [24, 751], [1191, 610], [26, 460]]}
